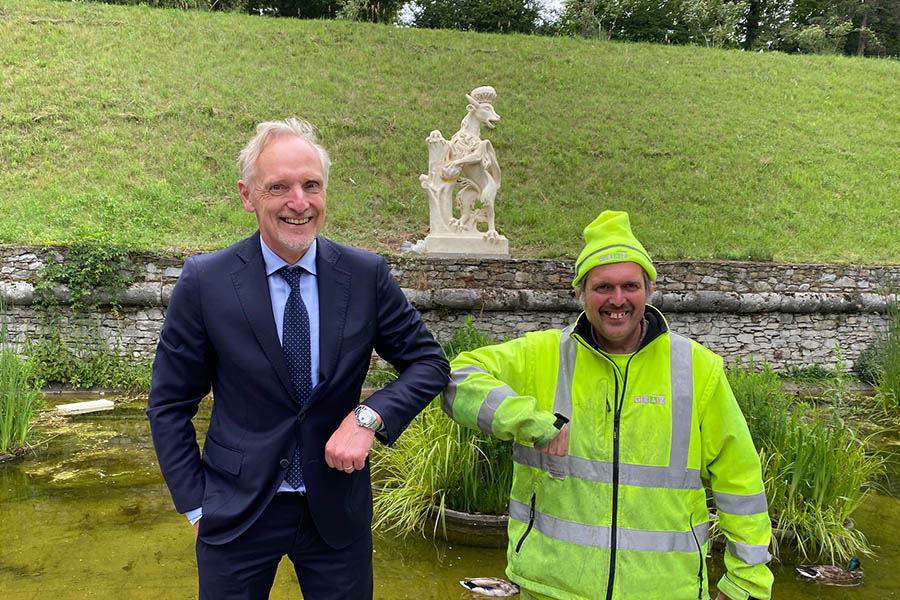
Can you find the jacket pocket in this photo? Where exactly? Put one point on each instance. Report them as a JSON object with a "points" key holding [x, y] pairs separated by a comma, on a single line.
{"points": [[222, 458], [530, 524]]}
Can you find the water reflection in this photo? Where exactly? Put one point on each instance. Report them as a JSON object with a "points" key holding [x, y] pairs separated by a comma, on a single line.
{"points": [[89, 517]]}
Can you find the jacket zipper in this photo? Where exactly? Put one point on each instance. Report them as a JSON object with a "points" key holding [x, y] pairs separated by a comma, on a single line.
{"points": [[530, 524], [702, 559], [619, 401]]}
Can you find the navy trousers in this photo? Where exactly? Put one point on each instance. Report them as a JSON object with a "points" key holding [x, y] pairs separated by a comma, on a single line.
{"points": [[244, 569]]}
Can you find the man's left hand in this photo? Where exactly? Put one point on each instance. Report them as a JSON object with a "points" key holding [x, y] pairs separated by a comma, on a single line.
{"points": [[722, 596], [348, 447]]}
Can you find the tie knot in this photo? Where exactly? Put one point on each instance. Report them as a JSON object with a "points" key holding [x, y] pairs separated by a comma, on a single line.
{"points": [[292, 276]]}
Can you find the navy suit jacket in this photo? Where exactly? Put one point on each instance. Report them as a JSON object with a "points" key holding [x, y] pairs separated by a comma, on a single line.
{"points": [[220, 333]]}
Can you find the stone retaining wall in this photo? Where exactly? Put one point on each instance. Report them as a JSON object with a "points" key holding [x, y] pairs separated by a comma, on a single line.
{"points": [[784, 313]]}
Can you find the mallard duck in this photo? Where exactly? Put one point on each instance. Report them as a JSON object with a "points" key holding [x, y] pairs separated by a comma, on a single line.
{"points": [[832, 575], [490, 586]]}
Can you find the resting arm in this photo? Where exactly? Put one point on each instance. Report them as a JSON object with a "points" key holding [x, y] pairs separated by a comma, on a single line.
{"points": [[732, 465], [404, 342], [489, 390], [181, 379]]}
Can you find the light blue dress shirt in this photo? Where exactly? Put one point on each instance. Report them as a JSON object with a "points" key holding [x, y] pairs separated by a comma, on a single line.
{"points": [[279, 290]]}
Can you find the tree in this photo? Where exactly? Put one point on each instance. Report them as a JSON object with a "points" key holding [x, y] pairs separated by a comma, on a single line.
{"points": [[373, 11], [502, 16], [876, 26], [715, 21], [305, 9]]}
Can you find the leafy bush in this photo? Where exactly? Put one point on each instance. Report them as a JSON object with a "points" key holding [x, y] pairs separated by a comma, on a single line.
{"points": [[437, 462]]}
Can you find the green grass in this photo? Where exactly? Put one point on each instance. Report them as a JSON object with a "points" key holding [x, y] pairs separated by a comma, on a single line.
{"points": [[20, 394], [127, 121]]}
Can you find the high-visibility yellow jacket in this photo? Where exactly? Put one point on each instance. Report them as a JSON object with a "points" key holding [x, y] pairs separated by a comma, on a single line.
{"points": [[624, 515]]}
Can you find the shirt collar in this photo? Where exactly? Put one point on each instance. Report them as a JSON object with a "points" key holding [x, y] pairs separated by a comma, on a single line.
{"points": [[275, 262]]}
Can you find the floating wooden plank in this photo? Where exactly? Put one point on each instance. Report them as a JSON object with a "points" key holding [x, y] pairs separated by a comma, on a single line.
{"points": [[80, 408]]}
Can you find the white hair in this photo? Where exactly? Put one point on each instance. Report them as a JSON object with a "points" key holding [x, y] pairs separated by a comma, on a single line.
{"points": [[269, 130]]}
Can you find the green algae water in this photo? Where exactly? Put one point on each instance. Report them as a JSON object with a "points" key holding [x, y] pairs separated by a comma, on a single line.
{"points": [[87, 515]]}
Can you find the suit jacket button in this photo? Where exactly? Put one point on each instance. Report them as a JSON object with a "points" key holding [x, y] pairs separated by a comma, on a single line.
{"points": [[285, 463], [301, 416]]}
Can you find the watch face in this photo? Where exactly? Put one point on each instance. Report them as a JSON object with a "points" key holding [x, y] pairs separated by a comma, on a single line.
{"points": [[365, 416]]}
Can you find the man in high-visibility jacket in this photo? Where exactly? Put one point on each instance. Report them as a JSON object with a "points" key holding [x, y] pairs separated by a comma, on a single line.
{"points": [[618, 422]]}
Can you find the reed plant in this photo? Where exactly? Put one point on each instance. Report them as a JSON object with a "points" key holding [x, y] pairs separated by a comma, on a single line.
{"points": [[438, 464], [20, 394], [816, 470], [887, 381]]}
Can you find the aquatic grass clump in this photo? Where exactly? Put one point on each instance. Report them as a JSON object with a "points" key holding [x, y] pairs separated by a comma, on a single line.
{"points": [[887, 381], [815, 468], [20, 394], [438, 463]]}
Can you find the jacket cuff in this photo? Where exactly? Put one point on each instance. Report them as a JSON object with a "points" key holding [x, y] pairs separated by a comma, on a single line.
{"points": [[731, 589]]}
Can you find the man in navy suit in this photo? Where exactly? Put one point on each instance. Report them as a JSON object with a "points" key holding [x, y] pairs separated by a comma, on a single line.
{"points": [[284, 468]]}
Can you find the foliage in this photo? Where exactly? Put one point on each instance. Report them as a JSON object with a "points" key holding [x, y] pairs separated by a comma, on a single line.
{"points": [[92, 265], [867, 365], [633, 20], [130, 138], [85, 362], [96, 269], [436, 462], [304, 9], [20, 394], [828, 38], [499, 16], [466, 337], [887, 383], [714, 21], [373, 11], [815, 468]]}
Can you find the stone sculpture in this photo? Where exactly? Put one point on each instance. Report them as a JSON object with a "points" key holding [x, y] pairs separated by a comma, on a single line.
{"points": [[467, 165]]}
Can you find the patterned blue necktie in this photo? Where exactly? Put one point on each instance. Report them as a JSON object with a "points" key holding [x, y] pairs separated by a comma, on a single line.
{"points": [[295, 344]]}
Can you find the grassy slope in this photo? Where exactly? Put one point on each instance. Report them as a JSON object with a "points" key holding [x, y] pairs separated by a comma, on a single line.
{"points": [[127, 120]]}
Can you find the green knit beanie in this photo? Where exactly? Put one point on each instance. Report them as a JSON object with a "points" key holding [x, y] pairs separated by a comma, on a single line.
{"points": [[609, 240]]}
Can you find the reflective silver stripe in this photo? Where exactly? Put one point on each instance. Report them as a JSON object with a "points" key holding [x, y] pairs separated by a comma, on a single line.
{"points": [[585, 259], [456, 378], [493, 400], [598, 536], [568, 349], [682, 376], [735, 504], [675, 476], [750, 554], [601, 471]]}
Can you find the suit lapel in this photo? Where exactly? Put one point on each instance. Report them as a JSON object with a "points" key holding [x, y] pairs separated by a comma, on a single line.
{"points": [[334, 300], [253, 293]]}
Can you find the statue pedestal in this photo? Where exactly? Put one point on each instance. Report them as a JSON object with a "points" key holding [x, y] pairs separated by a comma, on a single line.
{"points": [[465, 245]]}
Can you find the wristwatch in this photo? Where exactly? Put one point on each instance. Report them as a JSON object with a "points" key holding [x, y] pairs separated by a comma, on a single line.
{"points": [[366, 417]]}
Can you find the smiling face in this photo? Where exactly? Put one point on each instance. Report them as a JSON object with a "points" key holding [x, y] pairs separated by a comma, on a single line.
{"points": [[287, 193], [614, 299]]}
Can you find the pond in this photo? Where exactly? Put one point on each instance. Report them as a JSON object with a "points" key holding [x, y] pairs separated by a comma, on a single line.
{"points": [[88, 516]]}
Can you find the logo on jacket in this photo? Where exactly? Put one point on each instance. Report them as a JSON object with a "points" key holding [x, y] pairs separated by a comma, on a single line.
{"points": [[652, 399]]}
